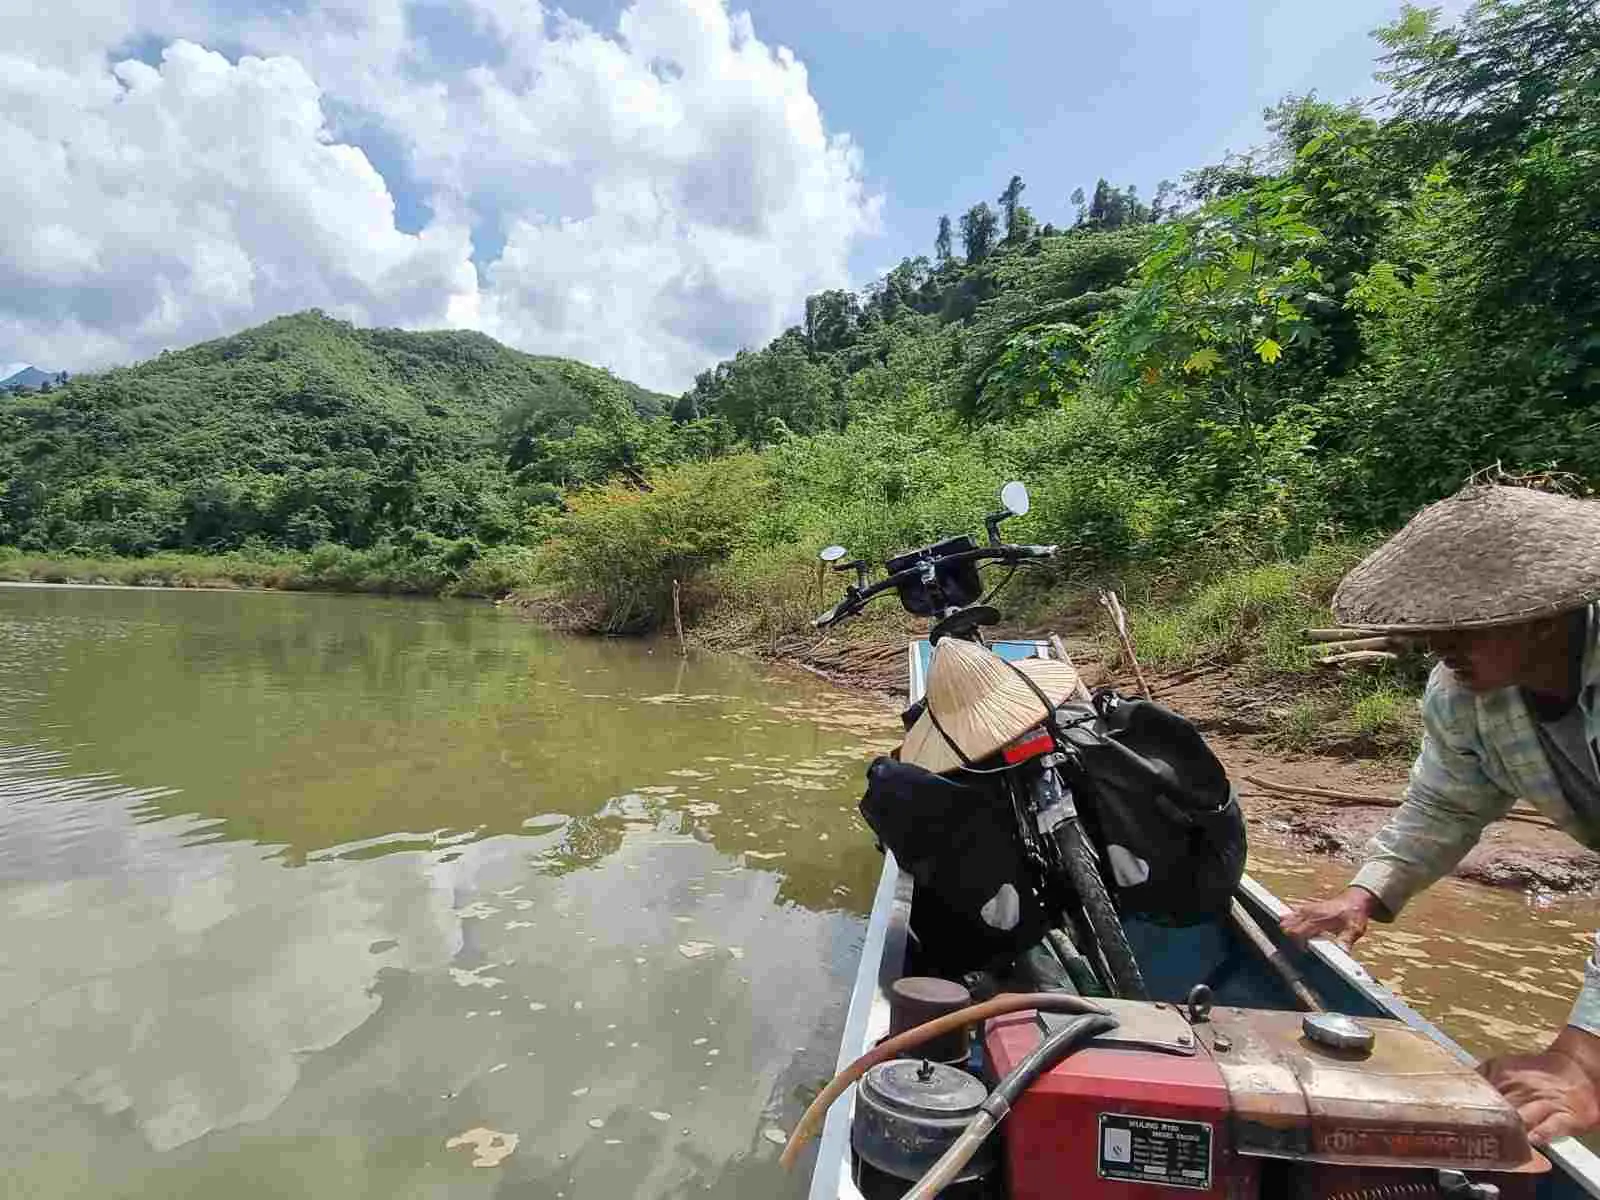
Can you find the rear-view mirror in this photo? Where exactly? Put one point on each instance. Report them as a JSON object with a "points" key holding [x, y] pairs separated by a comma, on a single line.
{"points": [[831, 554], [1014, 496]]}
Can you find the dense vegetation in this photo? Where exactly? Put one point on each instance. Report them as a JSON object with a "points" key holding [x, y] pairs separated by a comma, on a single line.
{"points": [[1297, 346], [1292, 348]]}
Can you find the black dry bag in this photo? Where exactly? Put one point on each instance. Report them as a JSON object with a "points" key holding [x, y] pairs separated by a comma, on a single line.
{"points": [[1158, 804], [974, 904]]}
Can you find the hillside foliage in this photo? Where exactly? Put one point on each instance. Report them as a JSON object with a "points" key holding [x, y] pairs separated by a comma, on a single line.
{"points": [[307, 431], [1291, 347]]}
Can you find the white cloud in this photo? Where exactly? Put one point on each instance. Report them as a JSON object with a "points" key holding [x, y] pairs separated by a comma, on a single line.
{"points": [[715, 198], [666, 192], [161, 205]]}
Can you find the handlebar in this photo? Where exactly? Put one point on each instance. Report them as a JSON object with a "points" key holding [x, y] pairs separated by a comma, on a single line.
{"points": [[855, 599]]}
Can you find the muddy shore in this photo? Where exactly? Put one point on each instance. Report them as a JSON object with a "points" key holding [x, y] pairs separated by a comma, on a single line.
{"points": [[1511, 854]]}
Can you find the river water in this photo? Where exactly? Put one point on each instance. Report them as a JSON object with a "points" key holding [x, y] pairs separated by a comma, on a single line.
{"points": [[311, 895]]}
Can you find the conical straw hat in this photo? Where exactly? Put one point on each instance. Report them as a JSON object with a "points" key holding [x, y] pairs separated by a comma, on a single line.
{"points": [[981, 703], [1489, 555]]}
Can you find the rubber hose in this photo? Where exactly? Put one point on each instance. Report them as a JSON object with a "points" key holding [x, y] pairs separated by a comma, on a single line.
{"points": [[1045, 1055], [997, 1006]]}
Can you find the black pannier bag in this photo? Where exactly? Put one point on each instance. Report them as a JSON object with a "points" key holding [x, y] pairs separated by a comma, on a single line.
{"points": [[1158, 805], [958, 841]]}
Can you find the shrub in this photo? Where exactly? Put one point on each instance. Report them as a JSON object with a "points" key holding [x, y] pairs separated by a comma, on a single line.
{"points": [[617, 551], [496, 572]]}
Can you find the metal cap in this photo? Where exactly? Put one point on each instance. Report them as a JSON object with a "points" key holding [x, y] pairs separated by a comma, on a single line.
{"points": [[1338, 1032], [924, 1088], [909, 1112]]}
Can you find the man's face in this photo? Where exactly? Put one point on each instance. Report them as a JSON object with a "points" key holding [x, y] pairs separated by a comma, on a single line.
{"points": [[1485, 660]]}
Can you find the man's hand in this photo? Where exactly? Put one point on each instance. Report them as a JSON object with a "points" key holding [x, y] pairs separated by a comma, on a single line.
{"points": [[1344, 918], [1554, 1092]]}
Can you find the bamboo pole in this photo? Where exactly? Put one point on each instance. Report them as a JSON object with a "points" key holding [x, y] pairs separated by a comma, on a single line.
{"points": [[1338, 635], [1274, 957], [1119, 619], [1357, 656]]}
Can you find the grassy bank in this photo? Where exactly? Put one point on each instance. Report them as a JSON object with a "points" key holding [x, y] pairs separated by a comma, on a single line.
{"points": [[384, 570], [1251, 620]]}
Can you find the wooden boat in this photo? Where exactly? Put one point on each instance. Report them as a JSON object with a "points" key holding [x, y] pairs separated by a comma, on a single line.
{"points": [[1172, 959]]}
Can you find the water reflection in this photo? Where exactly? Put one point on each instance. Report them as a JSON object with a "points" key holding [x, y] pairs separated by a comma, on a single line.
{"points": [[300, 890]]}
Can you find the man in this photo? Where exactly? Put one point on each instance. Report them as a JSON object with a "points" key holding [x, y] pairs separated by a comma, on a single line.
{"points": [[1500, 583]]}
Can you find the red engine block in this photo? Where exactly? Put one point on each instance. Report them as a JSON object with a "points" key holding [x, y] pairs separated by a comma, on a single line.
{"points": [[1119, 1122], [1244, 1106]]}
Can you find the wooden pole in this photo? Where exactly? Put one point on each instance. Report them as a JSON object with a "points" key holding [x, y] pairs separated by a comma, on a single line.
{"points": [[1059, 649], [677, 621], [1258, 940], [1119, 618], [1367, 800]]}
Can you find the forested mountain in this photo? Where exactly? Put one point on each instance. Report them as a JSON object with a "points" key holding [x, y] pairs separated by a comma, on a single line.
{"points": [[300, 431], [31, 377]]}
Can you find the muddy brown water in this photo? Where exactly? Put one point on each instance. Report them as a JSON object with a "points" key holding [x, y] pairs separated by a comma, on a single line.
{"points": [[309, 895], [1496, 968]]}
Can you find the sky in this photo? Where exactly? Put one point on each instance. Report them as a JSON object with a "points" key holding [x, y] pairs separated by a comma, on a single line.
{"points": [[648, 186]]}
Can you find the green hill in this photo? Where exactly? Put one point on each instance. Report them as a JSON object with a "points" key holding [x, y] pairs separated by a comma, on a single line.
{"points": [[301, 431]]}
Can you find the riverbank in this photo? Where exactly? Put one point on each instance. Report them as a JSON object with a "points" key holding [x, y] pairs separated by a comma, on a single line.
{"points": [[446, 570]]}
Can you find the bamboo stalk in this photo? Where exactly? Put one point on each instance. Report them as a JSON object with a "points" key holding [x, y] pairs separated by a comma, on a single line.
{"points": [[1059, 649], [1337, 635], [1357, 656]]}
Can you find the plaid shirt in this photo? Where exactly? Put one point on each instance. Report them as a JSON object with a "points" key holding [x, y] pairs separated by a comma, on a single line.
{"points": [[1480, 753]]}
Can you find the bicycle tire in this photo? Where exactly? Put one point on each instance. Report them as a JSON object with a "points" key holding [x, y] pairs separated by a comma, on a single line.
{"points": [[1083, 872]]}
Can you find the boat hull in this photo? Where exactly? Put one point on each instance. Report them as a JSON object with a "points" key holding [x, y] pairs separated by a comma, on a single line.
{"points": [[1172, 959]]}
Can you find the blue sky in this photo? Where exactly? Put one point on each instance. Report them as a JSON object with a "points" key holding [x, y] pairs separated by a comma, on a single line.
{"points": [[946, 107], [649, 185]]}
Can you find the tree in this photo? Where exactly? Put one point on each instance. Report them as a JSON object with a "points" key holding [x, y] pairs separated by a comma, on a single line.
{"points": [[1105, 209], [1164, 205], [1047, 300], [1010, 202], [901, 289], [942, 252], [831, 320], [1477, 318], [1079, 207], [978, 228], [1222, 296]]}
